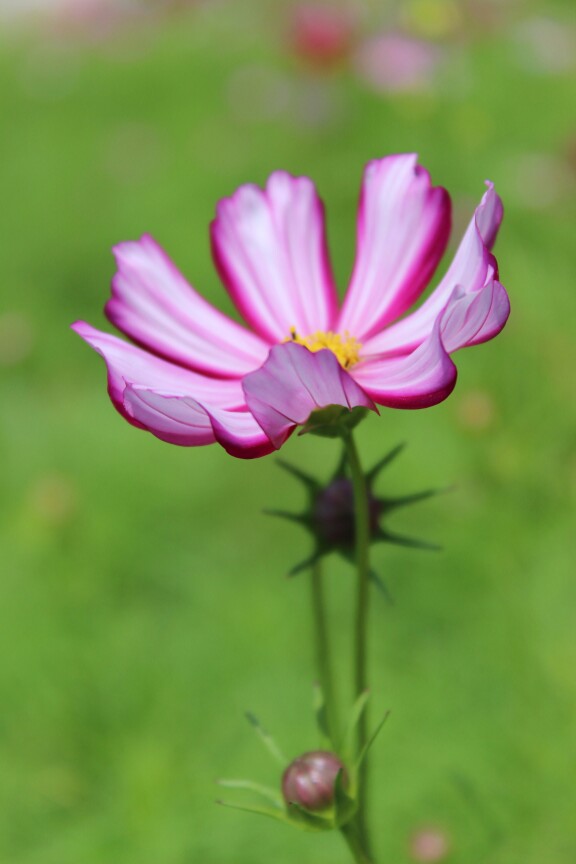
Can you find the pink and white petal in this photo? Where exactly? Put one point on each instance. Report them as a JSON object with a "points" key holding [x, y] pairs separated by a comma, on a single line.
{"points": [[294, 382], [241, 435], [403, 228], [154, 305], [188, 423], [270, 249], [489, 216], [472, 267], [174, 419], [128, 364], [473, 318], [417, 380]]}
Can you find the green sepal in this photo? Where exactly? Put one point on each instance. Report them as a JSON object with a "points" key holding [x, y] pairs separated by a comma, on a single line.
{"points": [[308, 821], [381, 585], [372, 474], [300, 518], [345, 806], [389, 504], [310, 482], [385, 536], [305, 564], [333, 421]]}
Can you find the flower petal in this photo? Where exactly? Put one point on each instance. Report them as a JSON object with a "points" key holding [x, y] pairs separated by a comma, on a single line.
{"points": [[473, 318], [270, 249], [417, 380], [175, 419], [294, 382], [154, 304], [187, 422], [403, 228], [175, 404], [128, 364], [471, 269]]}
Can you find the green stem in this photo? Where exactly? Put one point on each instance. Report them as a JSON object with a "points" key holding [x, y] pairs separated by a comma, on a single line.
{"points": [[362, 543], [323, 654], [354, 844]]}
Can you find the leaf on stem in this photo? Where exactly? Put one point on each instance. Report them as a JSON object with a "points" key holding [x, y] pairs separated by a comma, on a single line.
{"points": [[266, 739]]}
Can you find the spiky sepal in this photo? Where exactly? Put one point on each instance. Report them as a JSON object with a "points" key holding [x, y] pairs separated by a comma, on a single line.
{"points": [[329, 512]]}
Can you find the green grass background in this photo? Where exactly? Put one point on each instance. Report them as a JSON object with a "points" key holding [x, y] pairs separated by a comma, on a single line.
{"points": [[143, 603]]}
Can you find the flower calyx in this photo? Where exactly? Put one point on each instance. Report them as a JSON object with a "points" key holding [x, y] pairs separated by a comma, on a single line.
{"points": [[329, 514]]}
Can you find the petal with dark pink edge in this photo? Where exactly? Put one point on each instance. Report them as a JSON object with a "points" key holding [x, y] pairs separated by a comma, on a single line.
{"points": [[472, 267], [189, 423], [128, 364], [473, 318], [417, 380], [403, 228], [294, 382], [270, 249], [154, 305]]}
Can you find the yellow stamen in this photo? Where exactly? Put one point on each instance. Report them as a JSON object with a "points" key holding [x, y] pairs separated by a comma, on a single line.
{"points": [[345, 348]]}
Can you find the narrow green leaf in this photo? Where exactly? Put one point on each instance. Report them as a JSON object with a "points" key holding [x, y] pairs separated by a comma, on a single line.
{"points": [[249, 786], [348, 741], [279, 815], [266, 739], [319, 704], [368, 745]]}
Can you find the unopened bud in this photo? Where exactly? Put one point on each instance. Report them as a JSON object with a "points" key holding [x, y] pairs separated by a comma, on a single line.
{"points": [[334, 513], [310, 779]]}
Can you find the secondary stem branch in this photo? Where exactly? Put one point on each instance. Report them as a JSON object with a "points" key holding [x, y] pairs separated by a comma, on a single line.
{"points": [[323, 654]]}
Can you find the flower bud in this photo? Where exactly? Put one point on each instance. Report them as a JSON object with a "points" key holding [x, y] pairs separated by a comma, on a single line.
{"points": [[310, 779], [334, 513]]}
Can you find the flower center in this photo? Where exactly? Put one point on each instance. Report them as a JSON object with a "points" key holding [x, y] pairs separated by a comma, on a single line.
{"points": [[345, 348]]}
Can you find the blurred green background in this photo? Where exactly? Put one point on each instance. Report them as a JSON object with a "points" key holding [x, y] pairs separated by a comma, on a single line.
{"points": [[143, 599]]}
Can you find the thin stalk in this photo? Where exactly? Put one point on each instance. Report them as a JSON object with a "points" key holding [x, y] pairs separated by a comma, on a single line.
{"points": [[356, 848], [362, 544], [323, 653]]}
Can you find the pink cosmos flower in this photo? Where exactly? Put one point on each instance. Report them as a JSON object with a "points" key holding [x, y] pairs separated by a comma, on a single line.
{"points": [[195, 376]]}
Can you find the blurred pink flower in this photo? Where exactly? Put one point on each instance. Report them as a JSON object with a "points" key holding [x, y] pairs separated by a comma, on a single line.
{"points": [[393, 62], [200, 377], [95, 20], [321, 34], [429, 845]]}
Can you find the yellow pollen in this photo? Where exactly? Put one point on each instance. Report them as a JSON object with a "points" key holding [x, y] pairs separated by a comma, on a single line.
{"points": [[345, 348]]}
